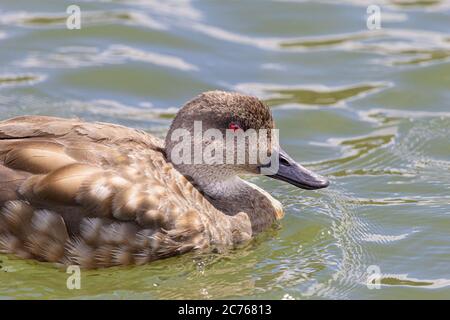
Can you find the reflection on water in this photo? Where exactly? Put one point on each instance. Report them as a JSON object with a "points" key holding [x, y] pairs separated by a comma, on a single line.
{"points": [[424, 56], [49, 20], [309, 95], [403, 280], [74, 57], [356, 149], [18, 79], [369, 109], [415, 3], [328, 41], [395, 47], [304, 96]]}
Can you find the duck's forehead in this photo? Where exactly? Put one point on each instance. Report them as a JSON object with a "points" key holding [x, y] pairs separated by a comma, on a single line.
{"points": [[248, 108], [223, 107], [256, 115]]}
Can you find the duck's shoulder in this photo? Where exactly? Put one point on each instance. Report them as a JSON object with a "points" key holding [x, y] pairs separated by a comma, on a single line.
{"points": [[75, 130]]}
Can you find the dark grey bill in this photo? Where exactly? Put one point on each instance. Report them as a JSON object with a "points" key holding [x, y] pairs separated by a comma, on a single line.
{"points": [[295, 174]]}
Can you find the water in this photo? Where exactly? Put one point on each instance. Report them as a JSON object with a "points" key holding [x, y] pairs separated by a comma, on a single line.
{"points": [[369, 109]]}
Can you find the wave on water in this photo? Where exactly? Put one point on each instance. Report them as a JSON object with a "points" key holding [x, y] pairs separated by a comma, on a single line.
{"points": [[76, 57]]}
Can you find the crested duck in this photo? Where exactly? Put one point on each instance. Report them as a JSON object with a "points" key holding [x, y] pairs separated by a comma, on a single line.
{"points": [[99, 194]]}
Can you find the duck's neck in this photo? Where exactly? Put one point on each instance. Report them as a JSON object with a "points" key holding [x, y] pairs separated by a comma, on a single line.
{"points": [[231, 195], [234, 195]]}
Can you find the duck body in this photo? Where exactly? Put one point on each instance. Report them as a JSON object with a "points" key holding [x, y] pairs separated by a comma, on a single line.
{"points": [[99, 195]]}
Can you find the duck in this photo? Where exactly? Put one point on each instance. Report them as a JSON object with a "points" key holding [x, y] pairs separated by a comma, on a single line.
{"points": [[96, 194]]}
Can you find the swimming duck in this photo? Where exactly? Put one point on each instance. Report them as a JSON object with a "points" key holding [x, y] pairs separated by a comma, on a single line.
{"points": [[100, 195]]}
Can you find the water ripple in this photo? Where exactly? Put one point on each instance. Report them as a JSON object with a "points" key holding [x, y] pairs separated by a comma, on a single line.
{"points": [[74, 57], [316, 95], [7, 80], [404, 280], [50, 20]]}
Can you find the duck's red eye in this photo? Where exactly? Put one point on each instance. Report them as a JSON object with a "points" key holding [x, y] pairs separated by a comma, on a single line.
{"points": [[233, 126]]}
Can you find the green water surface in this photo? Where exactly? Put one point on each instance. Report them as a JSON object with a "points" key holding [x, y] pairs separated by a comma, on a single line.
{"points": [[370, 109]]}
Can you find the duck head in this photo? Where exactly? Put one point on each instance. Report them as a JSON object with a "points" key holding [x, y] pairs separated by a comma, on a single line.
{"points": [[198, 144]]}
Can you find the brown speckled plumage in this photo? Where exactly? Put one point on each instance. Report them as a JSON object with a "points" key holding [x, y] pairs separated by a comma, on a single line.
{"points": [[99, 195]]}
